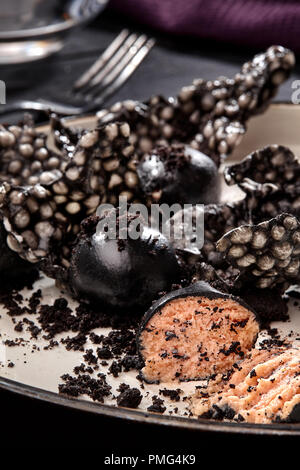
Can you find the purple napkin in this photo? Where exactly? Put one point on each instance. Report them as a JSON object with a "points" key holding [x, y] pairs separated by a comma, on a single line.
{"points": [[249, 22]]}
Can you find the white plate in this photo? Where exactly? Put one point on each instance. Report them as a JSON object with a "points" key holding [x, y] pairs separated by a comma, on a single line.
{"points": [[38, 373]]}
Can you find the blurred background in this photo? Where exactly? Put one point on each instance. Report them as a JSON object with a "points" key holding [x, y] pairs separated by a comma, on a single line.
{"points": [[194, 38]]}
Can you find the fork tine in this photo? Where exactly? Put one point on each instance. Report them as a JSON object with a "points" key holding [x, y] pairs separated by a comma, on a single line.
{"points": [[101, 61], [126, 72], [118, 57], [117, 65]]}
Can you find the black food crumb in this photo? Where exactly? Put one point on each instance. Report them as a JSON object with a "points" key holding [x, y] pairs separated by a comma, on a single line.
{"points": [[130, 398], [174, 395], [83, 384], [157, 406]]}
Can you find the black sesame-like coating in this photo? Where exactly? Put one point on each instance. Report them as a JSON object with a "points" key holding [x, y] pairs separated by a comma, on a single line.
{"points": [[273, 164], [198, 289], [43, 218], [24, 154], [44, 195], [266, 254], [123, 273], [179, 174], [209, 115], [219, 219], [210, 264], [270, 178]]}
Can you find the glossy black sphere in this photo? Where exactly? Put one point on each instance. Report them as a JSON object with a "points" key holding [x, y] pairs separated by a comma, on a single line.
{"points": [[182, 174], [123, 273]]}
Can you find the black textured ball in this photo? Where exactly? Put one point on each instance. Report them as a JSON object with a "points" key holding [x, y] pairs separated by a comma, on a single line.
{"points": [[122, 273], [182, 174]]}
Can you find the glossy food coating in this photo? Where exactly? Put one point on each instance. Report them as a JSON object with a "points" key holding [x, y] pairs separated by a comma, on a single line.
{"points": [[123, 273], [179, 174]]}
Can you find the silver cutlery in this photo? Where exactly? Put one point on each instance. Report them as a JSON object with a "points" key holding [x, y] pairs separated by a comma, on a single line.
{"points": [[110, 71]]}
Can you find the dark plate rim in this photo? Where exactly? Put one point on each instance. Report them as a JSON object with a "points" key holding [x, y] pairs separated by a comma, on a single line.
{"points": [[204, 425], [200, 425]]}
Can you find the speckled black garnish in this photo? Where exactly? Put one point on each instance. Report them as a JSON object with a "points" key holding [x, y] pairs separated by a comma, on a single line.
{"points": [[170, 335], [234, 348], [130, 398], [32, 328], [59, 318], [174, 395], [270, 343], [104, 353], [219, 414], [157, 405], [131, 362], [89, 357], [42, 211], [84, 384], [83, 369]]}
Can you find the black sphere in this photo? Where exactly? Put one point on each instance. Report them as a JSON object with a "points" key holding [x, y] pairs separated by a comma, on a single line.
{"points": [[182, 174], [123, 273]]}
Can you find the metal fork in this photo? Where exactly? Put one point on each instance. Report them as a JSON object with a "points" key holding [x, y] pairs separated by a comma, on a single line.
{"points": [[110, 71]]}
